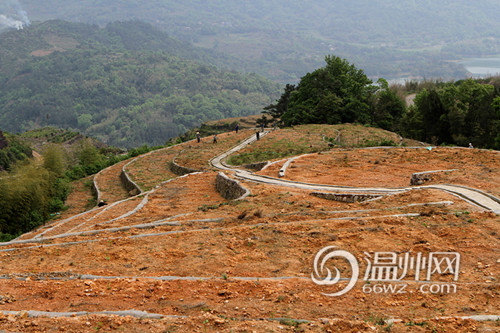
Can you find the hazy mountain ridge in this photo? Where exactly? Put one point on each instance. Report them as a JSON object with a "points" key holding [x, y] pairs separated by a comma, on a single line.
{"points": [[285, 40], [58, 35], [124, 84], [316, 14]]}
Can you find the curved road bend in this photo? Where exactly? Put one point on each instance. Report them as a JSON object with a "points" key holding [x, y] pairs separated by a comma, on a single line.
{"points": [[473, 196]]}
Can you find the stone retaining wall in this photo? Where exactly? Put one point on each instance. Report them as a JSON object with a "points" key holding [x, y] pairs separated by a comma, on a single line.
{"points": [[346, 197], [230, 188], [180, 170], [420, 178], [256, 166], [129, 184]]}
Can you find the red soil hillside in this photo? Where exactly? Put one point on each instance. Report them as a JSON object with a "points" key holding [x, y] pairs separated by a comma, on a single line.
{"points": [[179, 257]]}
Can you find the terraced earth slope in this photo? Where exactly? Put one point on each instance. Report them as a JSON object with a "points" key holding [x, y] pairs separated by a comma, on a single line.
{"points": [[174, 255]]}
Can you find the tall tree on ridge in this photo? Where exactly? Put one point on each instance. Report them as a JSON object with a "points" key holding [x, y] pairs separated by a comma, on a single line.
{"points": [[338, 92]]}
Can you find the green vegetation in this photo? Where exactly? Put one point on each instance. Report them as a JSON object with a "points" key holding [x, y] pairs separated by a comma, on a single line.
{"points": [[292, 322], [280, 149], [88, 159], [32, 191], [50, 134], [276, 110], [12, 149], [312, 138], [336, 93], [459, 112], [28, 195], [124, 84]]}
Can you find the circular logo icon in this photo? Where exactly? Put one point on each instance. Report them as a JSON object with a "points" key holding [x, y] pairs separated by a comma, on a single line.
{"points": [[329, 280]]}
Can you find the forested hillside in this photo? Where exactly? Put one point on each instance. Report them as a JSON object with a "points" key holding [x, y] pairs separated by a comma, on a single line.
{"points": [[127, 84], [12, 150], [460, 112], [34, 186], [285, 40]]}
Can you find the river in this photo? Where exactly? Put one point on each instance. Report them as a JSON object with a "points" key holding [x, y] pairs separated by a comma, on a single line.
{"points": [[482, 67]]}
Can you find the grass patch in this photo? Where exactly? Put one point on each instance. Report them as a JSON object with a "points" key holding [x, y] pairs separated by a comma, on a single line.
{"points": [[291, 322], [376, 143], [206, 208], [276, 150], [305, 139]]}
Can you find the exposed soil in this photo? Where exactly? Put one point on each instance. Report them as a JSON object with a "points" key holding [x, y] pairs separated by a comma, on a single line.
{"points": [[211, 265], [110, 185], [80, 198], [390, 167], [151, 169], [305, 139], [197, 155]]}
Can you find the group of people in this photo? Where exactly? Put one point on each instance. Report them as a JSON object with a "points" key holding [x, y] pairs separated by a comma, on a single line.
{"points": [[236, 128], [198, 137]]}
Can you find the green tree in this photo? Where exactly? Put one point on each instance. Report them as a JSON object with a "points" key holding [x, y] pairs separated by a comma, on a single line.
{"points": [[388, 108], [496, 122], [54, 159], [276, 110], [24, 199], [412, 124], [12, 150], [84, 121], [480, 116], [434, 117], [338, 92], [87, 153], [459, 112]]}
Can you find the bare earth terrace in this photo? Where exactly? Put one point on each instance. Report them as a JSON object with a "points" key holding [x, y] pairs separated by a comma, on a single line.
{"points": [[179, 257]]}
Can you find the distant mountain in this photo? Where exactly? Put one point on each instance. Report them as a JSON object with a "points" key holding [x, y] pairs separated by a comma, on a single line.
{"points": [[285, 39], [18, 46], [127, 84]]}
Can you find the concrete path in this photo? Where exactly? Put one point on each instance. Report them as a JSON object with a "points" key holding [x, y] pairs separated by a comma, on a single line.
{"points": [[473, 196], [218, 161]]}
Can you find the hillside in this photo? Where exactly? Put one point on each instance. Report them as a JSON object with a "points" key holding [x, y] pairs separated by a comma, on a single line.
{"points": [[184, 256], [127, 84], [12, 150], [286, 40]]}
